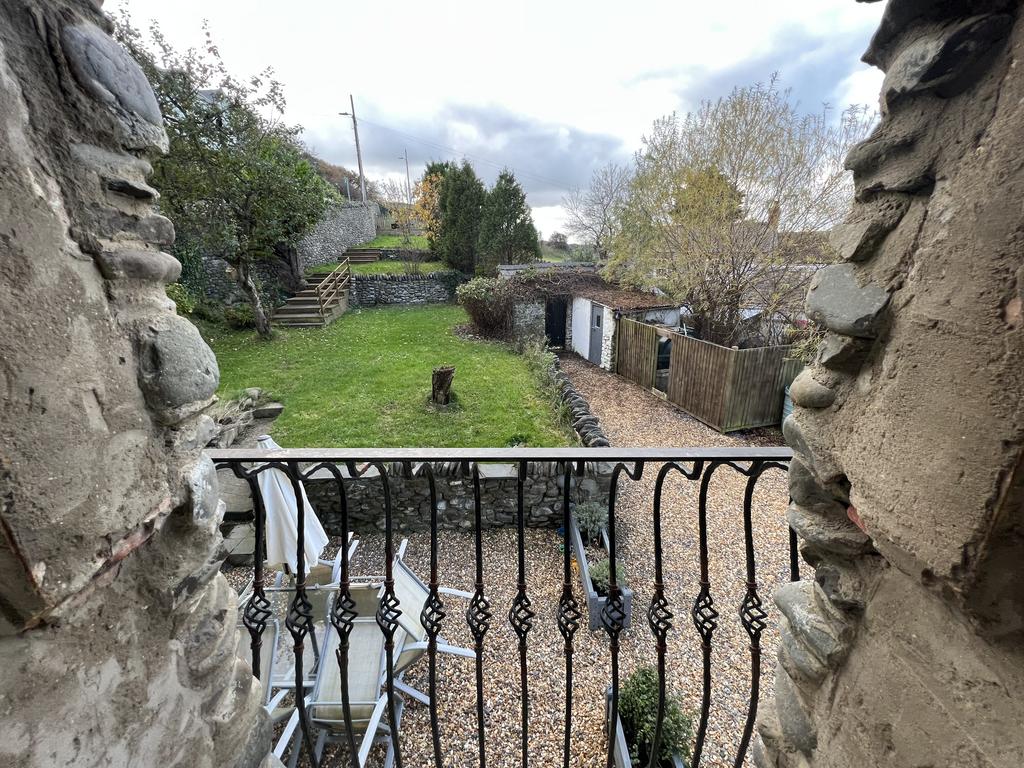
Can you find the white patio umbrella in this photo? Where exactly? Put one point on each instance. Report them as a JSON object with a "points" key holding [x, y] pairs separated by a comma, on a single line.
{"points": [[282, 513]]}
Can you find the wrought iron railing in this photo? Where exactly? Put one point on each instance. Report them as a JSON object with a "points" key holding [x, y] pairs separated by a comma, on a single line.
{"points": [[697, 466]]}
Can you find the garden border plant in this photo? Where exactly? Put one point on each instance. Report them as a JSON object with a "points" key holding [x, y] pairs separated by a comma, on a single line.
{"points": [[596, 601], [637, 720]]}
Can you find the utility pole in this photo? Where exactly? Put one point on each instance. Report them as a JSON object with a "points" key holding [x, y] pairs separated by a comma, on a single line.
{"points": [[359, 154], [408, 183]]}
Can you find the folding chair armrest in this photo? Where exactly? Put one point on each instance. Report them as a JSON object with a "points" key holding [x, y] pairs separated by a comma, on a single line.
{"points": [[274, 704], [290, 733], [371, 729], [455, 592], [453, 650]]}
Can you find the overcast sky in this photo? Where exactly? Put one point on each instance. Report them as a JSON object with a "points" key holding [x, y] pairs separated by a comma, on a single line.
{"points": [[549, 89]]}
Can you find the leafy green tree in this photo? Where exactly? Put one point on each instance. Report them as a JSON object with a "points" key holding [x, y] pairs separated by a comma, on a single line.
{"points": [[507, 234], [460, 200], [235, 180]]}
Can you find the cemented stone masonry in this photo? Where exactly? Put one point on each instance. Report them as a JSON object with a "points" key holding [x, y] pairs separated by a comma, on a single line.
{"points": [[341, 228]]}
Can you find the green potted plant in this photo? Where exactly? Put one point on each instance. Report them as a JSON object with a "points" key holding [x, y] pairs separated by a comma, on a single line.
{"points": [[637, 721], [595, 517], [592, 520], [600, 576]]}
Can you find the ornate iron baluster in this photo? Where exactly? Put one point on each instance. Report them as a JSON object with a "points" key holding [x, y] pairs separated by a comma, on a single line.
{"points": [[659, 617], [705, 617], [343, 609], [300, 614], [388, 612], [752, 614], [257, 607], [614, 614], [568, 613], [478, 616], [431, 617], [520, 615]]}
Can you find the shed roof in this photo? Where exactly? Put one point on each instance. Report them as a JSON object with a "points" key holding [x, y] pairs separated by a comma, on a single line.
{"points": [[619, 298]]}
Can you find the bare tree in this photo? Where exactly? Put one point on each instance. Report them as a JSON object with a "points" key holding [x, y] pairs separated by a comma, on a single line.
{"points": [[729, 206], [396, 197], [592, 214]]}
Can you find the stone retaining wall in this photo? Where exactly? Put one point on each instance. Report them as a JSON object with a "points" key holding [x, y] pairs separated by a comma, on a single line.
{"points": [[340, 228], [455, 506], [374, 290]]}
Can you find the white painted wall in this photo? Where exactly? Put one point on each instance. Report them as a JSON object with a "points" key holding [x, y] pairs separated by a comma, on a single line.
{"points": [[581, 326]]}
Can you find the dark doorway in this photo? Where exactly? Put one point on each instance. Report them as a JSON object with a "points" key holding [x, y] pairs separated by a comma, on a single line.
{"points": [[554, 322]]}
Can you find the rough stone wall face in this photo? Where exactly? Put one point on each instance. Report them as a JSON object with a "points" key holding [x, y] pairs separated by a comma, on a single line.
{"points": [[117, 631], [528, 320], [410, 496], [374, 290], [340, 228], [908, 481], [272, 277]]}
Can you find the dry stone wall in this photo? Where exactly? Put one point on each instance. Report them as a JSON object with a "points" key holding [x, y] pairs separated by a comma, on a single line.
{"points": [[410, 494], [117, 630], [378, 290], [907, 649]]}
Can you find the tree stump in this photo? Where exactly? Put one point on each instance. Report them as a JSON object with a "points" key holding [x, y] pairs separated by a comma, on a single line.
{"points": [[441, 384]]}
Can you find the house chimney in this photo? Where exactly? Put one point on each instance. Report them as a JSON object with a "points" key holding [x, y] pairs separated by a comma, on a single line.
{"points": [[774, 214]]}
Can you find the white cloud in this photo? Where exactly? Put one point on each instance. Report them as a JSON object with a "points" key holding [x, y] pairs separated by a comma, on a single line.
{"points": [[550, 89], [861, 86]]}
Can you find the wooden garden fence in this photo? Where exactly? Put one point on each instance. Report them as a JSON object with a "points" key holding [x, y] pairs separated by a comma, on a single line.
{"points": [[728, 389]]}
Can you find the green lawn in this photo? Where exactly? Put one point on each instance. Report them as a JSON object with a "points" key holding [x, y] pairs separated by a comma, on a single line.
{"points": [[389, 267], [365, 380], [417, 243]]}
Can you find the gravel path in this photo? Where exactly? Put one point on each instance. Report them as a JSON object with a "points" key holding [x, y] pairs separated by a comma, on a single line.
{"points": [[631, 417]]}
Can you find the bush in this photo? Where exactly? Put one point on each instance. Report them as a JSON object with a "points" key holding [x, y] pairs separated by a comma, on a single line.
{"points": [[240, 316], [638, 708], [488, 302], [182, 297], [209, 311], [591, 518], [600, 575]]}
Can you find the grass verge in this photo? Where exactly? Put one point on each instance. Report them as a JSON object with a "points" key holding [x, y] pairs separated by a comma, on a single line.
{"points": [[365, 381]]}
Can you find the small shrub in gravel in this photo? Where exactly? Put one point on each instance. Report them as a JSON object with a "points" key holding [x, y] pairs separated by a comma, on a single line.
{"points": [[591, 518], [600, 575], [638, 709]]}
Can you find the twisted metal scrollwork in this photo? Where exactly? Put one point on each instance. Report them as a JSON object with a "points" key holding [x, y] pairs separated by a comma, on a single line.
{"points": [[521, 615], [705, 616], [478, 616]]}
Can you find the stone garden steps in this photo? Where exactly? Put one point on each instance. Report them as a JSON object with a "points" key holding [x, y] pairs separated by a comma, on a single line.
{"points": [[307, 310], [303, 310]]}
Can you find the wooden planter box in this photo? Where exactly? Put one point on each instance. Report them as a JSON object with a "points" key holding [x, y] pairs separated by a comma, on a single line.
{"points": [[621, 753], [596, 602]]}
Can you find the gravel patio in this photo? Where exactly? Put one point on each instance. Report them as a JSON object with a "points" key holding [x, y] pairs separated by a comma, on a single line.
{"points": [[631, 417]]}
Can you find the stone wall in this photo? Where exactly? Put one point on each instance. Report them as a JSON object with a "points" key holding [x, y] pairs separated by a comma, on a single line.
{"points": [[218, 284], [341, 228], [528, 320], [374, 290], [117, 630], [543, 496], [907, 649]]}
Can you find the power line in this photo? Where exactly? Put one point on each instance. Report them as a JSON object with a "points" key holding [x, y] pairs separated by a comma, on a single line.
{"points": [[475, 158]]}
